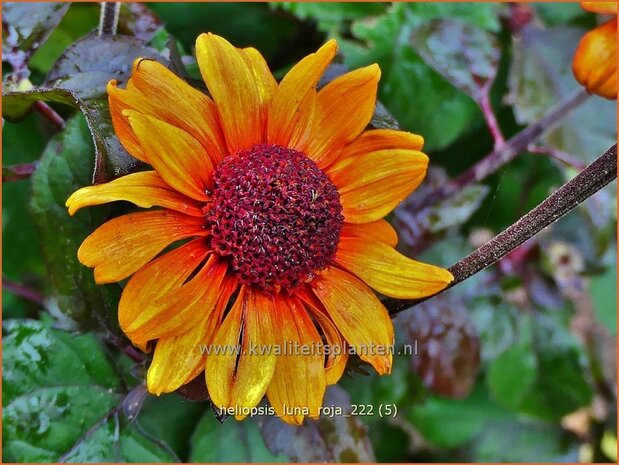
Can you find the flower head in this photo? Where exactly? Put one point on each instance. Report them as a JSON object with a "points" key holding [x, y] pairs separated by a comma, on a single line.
{"points": [[595, 60], [277, 192]]}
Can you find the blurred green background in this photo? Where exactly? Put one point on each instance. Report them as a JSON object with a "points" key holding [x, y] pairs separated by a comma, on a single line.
{"points": [[516, 364]]}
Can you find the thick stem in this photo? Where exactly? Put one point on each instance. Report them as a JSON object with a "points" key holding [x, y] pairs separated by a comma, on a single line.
{"points": [[505, 153], [593, 178], [108, 21]]}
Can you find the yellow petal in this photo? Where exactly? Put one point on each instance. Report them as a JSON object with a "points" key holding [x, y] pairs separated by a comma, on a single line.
{"points": [[179, 359], [372, 185], [607, 8], [595, 60], [344, 108], [241, 381], [267, 85], [125, 244], [159, 277], [379, 230], [145, 189], [337, 357], [180, 309], [292, 103], [299, 379], [388, 271], [373, 140], [176, 156], [232, 83], [359, 315]]}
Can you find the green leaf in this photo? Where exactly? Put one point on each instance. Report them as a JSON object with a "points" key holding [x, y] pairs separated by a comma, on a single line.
{"points": [[330, 17], [542, 376], [64, 167], [605, 302], [416, 95], [28, 25], [449, 423], [230, 441]]}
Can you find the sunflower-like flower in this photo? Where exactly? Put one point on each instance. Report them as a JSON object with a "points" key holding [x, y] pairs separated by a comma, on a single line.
{"points": [[277, 193], [595, 60]]}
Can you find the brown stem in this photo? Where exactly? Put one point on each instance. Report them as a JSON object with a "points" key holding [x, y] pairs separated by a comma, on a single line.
{"points": [[49, 113], [505, 153], [593, 178], [108, 21]]}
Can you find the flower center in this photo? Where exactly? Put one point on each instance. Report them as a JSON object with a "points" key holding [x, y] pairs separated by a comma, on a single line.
{"points": [[276, 215]]}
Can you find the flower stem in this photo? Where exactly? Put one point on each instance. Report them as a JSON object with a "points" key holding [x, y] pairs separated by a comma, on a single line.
{"points": [[504, 153], [50, 114], [593, 178], [108, 21]]}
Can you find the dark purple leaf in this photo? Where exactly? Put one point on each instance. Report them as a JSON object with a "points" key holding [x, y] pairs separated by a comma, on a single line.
{"points": [[448, 355], [137, 20], [335, 438], [463, 54]]}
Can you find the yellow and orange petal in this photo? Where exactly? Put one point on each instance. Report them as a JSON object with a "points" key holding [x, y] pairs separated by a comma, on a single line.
{"points": [[595, 59], [198, 148], [606, 8]]}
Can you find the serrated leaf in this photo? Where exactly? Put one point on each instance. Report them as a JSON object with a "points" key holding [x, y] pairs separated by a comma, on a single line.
{"points": [[337, 438], [64, 167], [465, 55]]}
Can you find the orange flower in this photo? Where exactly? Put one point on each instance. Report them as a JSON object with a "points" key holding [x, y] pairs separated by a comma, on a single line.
{"points": [[279, 193], [595, 60]]}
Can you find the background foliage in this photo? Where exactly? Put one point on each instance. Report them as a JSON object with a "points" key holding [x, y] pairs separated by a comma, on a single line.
{"points": [[515, 364]]}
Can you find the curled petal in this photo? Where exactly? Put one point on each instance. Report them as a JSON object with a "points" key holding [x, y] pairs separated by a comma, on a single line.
{"points": [[236, 374], [145, 189], [359, 315]]}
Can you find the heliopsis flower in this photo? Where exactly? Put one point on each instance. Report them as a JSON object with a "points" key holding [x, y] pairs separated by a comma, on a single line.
{"points": [[276, 194], [595, 60]]}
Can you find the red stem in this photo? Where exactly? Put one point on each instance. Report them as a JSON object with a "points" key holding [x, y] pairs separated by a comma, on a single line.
{"points": [[23, 291], [48, 112]]}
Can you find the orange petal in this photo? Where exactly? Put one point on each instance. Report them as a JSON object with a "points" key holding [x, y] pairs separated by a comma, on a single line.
{"points": [[379, 230], [344, 108], [125, 244], [388, 271], [267, 85], [372, 185], [145, 189], [359, 315], [118, 103], [242, 381], [299, 379], [292, 102], [176, 156], [606, 8], [337, 357], [233, 85], [179, 359], [180, 309], [382, 139], [156, 91], [161, 276], [595, 60]]}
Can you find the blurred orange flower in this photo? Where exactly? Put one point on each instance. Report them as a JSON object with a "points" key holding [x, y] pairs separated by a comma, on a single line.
{"points": [[595, 60], [279, 192]]}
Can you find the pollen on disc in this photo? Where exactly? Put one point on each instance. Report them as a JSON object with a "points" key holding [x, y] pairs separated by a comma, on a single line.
{"points": [[276, 215]]}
